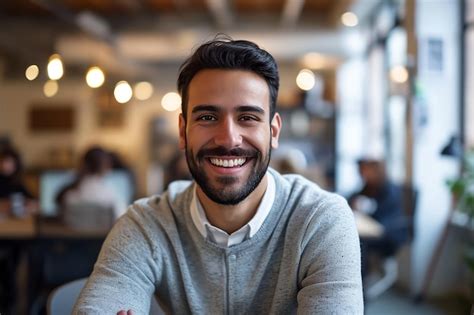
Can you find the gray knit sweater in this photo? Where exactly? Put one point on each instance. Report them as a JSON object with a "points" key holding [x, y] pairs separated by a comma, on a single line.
{"points": [[305, 258]]}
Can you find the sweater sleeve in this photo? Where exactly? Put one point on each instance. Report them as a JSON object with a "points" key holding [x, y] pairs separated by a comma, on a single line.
{"points": [[125, 273], [330, 274]]}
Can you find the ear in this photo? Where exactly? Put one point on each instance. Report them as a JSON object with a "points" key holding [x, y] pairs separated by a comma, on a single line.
{"points": [[182, 132], [275, 127]]}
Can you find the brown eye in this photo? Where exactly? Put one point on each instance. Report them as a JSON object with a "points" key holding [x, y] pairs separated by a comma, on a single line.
{"points": [[207, 118], [248, 118]]}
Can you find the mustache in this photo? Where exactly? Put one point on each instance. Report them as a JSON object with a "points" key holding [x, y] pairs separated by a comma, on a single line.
{"points": [[222, 151]]}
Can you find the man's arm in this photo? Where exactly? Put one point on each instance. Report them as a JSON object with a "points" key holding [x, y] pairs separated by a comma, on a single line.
{"points": [[124, 274], [331, 280]]}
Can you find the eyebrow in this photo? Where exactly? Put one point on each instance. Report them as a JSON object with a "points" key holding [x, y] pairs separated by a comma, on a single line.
{"points": [[205, 108], [250, 108], [240, 109]]}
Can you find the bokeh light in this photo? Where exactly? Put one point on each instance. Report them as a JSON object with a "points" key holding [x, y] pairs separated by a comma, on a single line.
{"points": [[95, 77], [143, 90], [171, 101], [55, 67], [123, 92], [305, 79], [32, 72]]}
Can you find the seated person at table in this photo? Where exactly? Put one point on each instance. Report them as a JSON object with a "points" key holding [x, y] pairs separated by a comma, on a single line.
{"points": [[240, 238], [90, 187], [15, 200], [381, 200], [12, 189]]}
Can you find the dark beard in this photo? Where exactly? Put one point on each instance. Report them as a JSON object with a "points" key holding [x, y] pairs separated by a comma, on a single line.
{"points": [[225, 196]]}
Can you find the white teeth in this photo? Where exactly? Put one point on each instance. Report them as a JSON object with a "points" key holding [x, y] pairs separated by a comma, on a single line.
{"points": [[228, 163]]}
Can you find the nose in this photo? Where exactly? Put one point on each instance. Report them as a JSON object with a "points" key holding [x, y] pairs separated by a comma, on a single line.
{"points": [[228, 134]]}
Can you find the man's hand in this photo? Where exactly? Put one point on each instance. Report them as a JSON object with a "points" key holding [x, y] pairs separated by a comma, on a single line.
{"points": [[122, 312]]}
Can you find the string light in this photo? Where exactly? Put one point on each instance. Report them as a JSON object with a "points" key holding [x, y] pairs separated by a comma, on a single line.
{"points": [[305, 79], [143, 90], [55, 67], [95, 77], [171, 101], [50, 88], [32, 72], [349, 19], [123, 92]]}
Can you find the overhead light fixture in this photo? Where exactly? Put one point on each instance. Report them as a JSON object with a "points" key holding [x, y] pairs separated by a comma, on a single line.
{"points": [[55, 67], [453, 148], [349, 19], [95, 77], [305, 79], [32, 72], [143, 90], [399, 74], [50, 88], [123, 92], [171, 101]]}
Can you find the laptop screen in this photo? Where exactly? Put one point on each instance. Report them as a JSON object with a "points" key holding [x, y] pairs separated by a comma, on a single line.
{"points": [[51, 183]]}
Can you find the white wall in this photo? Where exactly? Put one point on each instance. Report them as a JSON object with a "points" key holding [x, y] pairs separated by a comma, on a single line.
{"points": [[435, 19], [351, 119]]}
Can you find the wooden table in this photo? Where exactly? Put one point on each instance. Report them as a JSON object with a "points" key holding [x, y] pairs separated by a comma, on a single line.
{"points": [[53, 228], [50, 251], [17, 228]]}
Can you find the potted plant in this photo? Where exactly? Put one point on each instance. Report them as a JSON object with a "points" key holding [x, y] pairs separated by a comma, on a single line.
{"points": [[462, 189]]}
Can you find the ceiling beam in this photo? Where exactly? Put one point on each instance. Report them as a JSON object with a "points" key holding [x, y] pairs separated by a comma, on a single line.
{"points": [[132, 5], [291, 12], [87, 21], [181, 4]]}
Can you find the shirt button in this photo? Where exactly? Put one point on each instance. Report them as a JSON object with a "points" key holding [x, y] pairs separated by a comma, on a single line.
{"points": [[232, 257]]}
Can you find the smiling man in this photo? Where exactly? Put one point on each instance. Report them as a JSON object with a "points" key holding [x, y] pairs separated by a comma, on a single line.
{"points": [[241, 238]]}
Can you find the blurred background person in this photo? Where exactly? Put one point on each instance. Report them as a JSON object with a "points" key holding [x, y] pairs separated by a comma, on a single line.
{"points": [[293, 161], [177, 168], [90, 186], [381, 200], [15, 198], [117, 163]]}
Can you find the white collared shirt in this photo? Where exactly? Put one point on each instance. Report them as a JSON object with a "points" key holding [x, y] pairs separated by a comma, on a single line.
{"points": [[221, 237]]}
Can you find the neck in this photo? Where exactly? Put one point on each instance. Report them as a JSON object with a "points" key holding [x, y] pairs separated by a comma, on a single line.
{"points": [[231, 218]]}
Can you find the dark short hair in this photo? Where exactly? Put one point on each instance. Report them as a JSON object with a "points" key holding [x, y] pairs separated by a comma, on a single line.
{"points": [[225, 53], [95, 160]]}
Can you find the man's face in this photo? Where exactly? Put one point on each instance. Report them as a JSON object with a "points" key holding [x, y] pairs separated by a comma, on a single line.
{"points": [[7, 165], [369, 172], [228, 135]]}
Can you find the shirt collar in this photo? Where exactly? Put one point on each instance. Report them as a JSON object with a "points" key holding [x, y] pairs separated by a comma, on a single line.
{"points": [[219, 236]]}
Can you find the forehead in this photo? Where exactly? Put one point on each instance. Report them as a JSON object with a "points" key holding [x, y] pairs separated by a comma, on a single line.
{"points": [[228, 88]]}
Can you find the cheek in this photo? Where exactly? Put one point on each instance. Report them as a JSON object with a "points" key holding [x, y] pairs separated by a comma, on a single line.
{"points": [[195, 139], [260, 139]]}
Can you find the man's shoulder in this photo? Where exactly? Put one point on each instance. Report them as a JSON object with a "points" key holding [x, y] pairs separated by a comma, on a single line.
{"points": [[170, 204], [306, 196], [311, 211]]}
